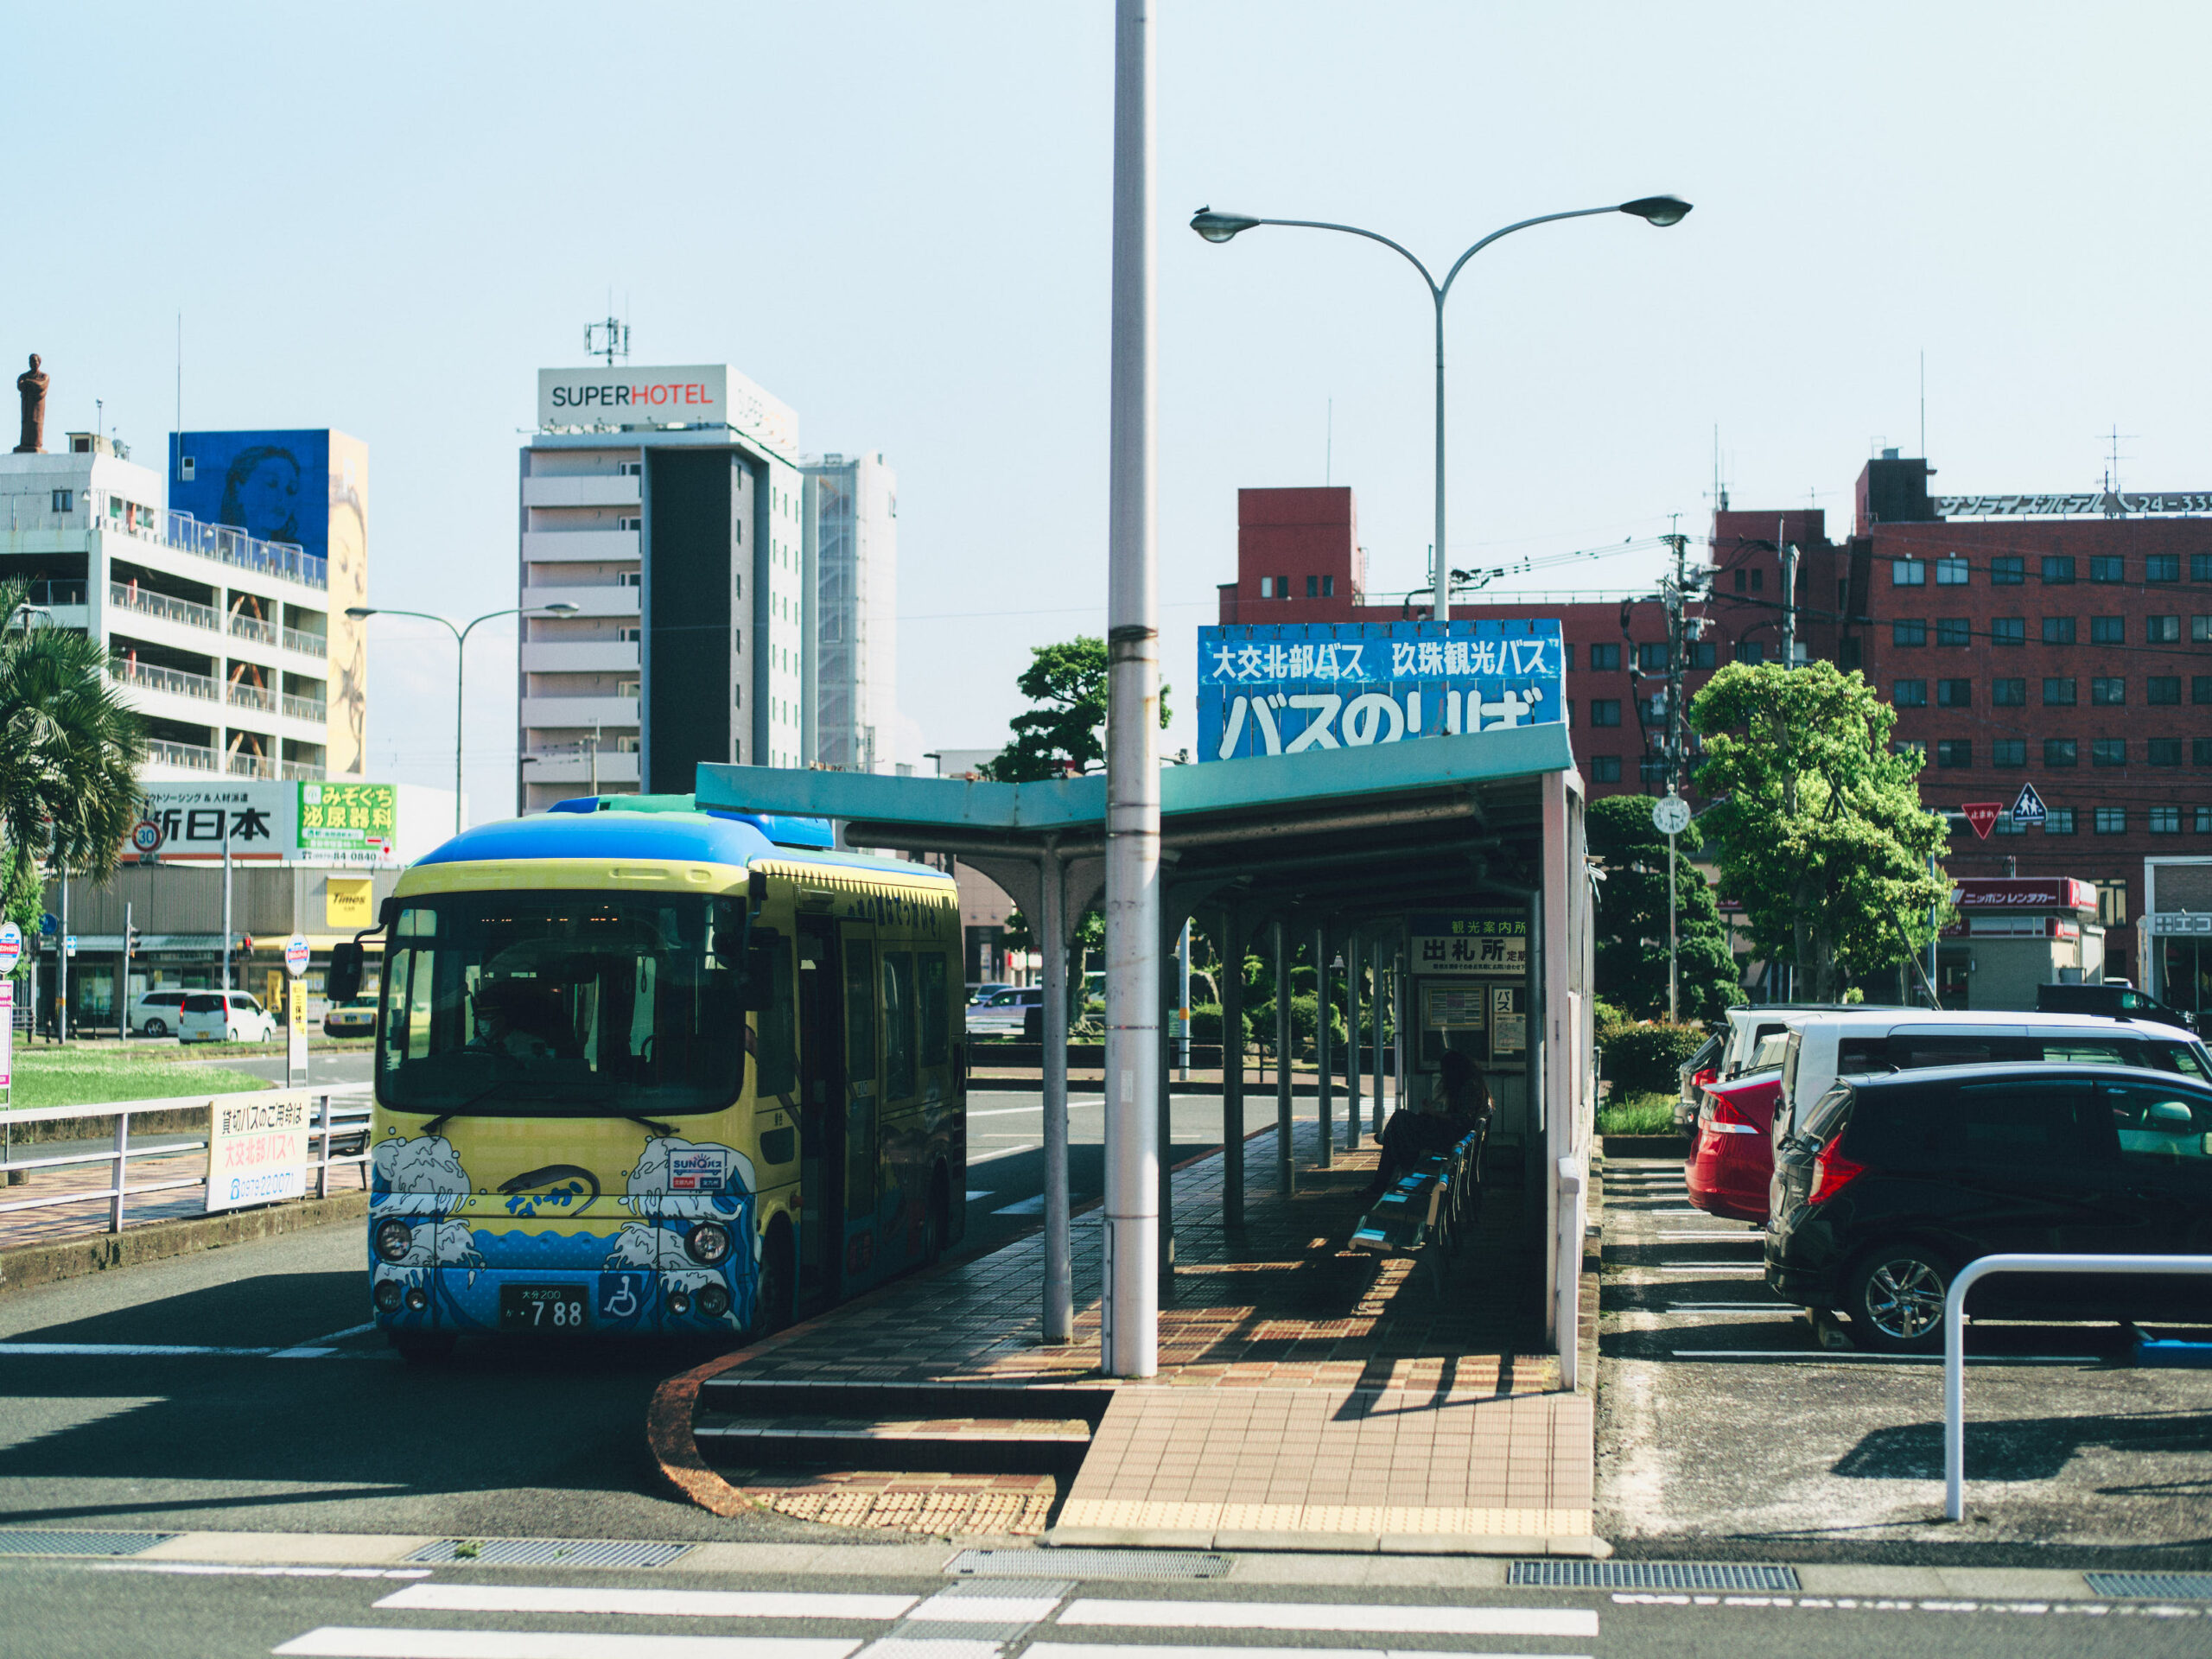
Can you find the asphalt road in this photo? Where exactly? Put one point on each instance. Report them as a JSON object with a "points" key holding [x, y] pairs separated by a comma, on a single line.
{"points": [[1318, 1605]]}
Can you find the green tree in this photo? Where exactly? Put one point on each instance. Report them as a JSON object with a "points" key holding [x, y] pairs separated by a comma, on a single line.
{"points": [[1632, 922], [1818, 827], [1065, 729]]}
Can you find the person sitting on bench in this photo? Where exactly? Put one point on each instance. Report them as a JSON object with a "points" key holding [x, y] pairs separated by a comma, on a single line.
{"points": [[1459, 1106]]}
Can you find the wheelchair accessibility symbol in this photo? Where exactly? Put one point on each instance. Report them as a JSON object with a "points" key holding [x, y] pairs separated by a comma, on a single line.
{"points": [[620, 1295]]}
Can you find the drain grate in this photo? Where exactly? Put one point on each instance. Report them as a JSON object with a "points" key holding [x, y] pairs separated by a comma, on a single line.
{"points": [[1089, 1563], [1652, 1575], [13, 1542], [548, 1552], [2153, 1586]]}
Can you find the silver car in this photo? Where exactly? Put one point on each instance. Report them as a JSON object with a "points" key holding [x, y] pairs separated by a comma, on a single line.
{"points": [[1004, 1014]]}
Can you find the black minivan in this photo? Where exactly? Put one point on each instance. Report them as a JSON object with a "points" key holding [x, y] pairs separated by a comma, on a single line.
{"points": [[1893, 1183]]}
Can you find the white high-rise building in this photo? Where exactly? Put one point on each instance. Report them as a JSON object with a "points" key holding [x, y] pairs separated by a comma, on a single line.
{"points": [[852, 576], [667, 505]]}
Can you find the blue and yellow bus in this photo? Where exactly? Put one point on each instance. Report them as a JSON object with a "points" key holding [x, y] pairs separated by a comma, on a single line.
{"points": [[642, 1069]]}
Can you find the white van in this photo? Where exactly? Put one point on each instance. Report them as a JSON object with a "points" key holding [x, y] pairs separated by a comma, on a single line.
{"points": [[158, 1013], [225, 1016], [1902, 1040]]}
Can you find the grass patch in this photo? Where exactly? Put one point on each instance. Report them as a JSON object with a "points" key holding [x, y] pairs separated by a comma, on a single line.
{"points": [[88, 1076], [1638, 1114]]}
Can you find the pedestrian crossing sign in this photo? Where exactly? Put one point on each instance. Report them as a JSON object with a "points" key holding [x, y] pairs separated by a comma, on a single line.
{"points": [[2027, 808]]}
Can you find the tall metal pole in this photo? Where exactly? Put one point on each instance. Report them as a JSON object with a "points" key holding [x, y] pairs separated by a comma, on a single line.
{"points": [[1677, 742], [1130, 1338], [226, 907], [1052, 936], [1232, 1066], [1440, 566], [1380, 1005], [1286, 1169], [1789, 552], [459, 713], [1325, 1105], [1352, 1041], [1183, 995]]}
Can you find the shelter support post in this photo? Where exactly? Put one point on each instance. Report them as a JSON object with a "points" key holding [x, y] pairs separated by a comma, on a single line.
{"points": [[1163, 1064], [1232, 1066], [1286, 1178], [1324, 1103], [1053, 931], [1381, 1025], [1352, 1036]]}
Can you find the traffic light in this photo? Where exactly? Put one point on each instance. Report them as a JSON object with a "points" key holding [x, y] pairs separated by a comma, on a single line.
{"points": [[131, 941]]}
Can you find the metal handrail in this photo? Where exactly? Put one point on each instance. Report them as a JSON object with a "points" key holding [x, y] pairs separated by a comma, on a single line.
{"points": [[186, 612], [1955, 1324], [175, 681], [252, 627], [329, 1120], [307, 645]]}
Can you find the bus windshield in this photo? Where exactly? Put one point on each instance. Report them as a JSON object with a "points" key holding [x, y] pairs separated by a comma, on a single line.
{"points": [[562, 1004]]}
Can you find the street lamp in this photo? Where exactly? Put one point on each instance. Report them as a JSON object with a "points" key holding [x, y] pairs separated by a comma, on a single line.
{"points": [[1220, 227], [559, 608]]}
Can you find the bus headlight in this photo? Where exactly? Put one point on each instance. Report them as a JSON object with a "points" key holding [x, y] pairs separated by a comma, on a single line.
{"points": [[392, 1240], [714, 1300], [708, 1244], [417, 1299], [387, 1295], [679, 1303]]}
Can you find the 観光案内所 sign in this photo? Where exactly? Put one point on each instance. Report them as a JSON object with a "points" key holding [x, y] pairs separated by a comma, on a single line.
{"points": [[1283, 687]]}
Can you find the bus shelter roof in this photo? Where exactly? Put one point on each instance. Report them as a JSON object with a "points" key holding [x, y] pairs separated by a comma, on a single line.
{"points": [[1346, 831]]}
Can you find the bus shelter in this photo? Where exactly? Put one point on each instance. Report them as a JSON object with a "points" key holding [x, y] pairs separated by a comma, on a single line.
{"points": [[1455, 864]]}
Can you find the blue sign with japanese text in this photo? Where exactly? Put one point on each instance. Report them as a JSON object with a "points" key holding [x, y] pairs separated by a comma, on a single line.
{"points": [[1279, 688]]}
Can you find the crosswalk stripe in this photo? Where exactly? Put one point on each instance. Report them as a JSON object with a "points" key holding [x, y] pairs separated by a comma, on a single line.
{"points": [[1104, 1651], [344, 1642], [672, 1604], [952, 1609], [1334, 1615]]}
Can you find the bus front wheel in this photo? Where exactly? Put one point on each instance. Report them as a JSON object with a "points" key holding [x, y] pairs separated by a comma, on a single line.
{"points": [[940, 1221], [772, 1301], [425, 1348]]}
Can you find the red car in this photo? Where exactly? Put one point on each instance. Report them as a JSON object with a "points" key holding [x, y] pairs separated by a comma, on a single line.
{"points": [[1731, 1161]]}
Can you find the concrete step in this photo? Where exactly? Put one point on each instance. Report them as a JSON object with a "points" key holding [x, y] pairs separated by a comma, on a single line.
{"points": [[952, 1428]]}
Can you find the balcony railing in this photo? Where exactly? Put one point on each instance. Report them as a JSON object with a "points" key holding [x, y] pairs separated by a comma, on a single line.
{"points": [[174, 681], [311, 645], [310, 772], [64, 591], [243, 765], [168, 528], [161, 753], [253, 628], [314, 709], [244, 695], [131, 597]]}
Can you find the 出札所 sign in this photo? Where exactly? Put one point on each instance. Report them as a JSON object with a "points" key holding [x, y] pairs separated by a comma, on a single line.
{"points": [[1279, 687], [1489, 943]]}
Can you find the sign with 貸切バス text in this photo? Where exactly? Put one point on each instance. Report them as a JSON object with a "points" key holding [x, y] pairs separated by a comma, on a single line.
{"points": [[1486, 944], [256, 1151], [1281, 687], [694, 394]]}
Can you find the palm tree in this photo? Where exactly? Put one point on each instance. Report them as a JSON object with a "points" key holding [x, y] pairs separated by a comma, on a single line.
{"points": [[70, 752]]}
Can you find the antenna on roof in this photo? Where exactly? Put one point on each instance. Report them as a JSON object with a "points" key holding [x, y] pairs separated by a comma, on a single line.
{"points": [[2113, 457], [610, 338]]}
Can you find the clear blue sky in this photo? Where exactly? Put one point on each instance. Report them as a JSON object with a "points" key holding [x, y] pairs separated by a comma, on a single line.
{"points": [[386, 219]]}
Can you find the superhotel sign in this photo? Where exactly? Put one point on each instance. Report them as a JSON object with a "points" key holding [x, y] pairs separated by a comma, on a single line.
{"points": [[692, 394]]}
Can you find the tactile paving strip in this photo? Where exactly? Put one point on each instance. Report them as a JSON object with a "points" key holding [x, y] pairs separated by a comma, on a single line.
{"points": [[549, 1552], [1651, 1575], [1089, 1563], [14, 1543]]}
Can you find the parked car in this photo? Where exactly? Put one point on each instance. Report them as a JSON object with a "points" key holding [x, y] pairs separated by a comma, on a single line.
{"points": [[1005, 1012], [1894, 1183], [355, 1018], [985, 992], [1896, 1039], [2114, 999], [225, 1016], [1732, 1160], [156, 1013], [1695, 1073]]}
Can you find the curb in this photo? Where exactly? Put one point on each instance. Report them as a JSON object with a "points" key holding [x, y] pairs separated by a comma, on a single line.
{"points": [[31, 1265]]}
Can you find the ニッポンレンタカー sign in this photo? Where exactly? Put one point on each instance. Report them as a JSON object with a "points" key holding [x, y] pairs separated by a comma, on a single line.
{"points": [[1282, 688], [257, 1152]]}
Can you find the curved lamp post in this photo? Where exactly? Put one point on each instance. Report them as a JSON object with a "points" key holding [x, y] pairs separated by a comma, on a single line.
{"points": [[461, 633], [1220, 227]]}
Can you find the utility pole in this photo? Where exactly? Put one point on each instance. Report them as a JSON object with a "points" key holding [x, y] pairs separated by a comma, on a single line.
{"points": [[226, 905], [1789, 552], [123, 985], [1678, 638]]}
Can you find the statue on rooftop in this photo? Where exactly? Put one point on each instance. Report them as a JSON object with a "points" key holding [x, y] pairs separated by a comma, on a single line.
{"points": [[30, 385]]}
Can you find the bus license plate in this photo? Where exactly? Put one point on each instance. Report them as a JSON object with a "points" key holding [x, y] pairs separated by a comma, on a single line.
{"points": [[541, 1308]]}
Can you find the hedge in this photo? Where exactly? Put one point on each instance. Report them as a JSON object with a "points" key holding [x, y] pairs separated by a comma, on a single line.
{"points": [[1648, 1059]]}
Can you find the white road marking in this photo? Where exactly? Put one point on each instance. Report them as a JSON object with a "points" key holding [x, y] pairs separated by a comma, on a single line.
{"points": [[159, 1350], [972, 1197], [1003, 1151], [1115, 1650], [984, 1610], [1007, 1111], [1334, 1616], [213, 1569], [1822, 1356], [1034, 1205], [464, 1598], [932, 1647], [344, 1642]]}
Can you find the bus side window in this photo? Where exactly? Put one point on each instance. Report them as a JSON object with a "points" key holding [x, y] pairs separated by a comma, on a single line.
{"points": [[775, 1050], [934, 1009], [898, 1025]]}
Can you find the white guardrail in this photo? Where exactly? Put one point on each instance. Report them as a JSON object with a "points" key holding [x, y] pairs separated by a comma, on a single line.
{"points": [[342, 1112], [1954, 1333]]}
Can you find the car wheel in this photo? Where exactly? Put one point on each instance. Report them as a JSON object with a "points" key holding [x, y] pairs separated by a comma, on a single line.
{"points": [[1894, 1298], [155, 1028]]}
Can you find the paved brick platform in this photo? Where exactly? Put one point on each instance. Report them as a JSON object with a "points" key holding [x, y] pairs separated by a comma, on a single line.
{"points": [[1308, 1396]]}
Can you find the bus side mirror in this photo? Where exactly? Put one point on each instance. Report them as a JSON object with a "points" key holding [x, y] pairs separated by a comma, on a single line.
{"points": [[343, 981], [388, 913], [761, 975]]}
